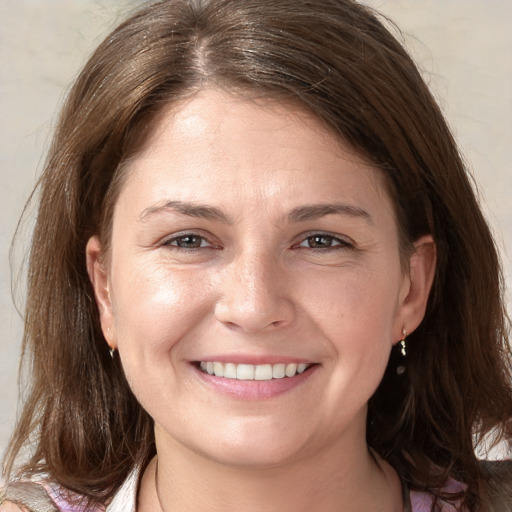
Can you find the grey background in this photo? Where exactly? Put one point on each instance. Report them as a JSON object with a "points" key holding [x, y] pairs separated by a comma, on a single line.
{"points": [[464, 48]]}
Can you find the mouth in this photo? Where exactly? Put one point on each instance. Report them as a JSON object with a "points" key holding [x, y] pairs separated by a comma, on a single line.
{"points": [[264, 380], [256, 372]]}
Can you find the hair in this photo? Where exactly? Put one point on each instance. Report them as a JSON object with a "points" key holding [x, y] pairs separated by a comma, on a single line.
{"points": [[337, 60]]}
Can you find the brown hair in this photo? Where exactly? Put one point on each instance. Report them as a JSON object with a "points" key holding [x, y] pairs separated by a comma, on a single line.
{"points": [[337, 60]]}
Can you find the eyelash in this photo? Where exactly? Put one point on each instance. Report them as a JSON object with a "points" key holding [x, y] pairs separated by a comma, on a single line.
{"points": [[173, 242], [339, 242]]}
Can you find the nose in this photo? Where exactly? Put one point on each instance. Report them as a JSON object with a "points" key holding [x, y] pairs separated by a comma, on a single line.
{"points": [[254, 295]]}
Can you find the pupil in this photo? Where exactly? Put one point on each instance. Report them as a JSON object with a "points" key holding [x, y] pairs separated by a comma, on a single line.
{"points": [[189, 241], [320, 241]]}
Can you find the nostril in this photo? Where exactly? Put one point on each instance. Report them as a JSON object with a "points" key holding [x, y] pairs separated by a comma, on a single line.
{"points": [[251, 317]]}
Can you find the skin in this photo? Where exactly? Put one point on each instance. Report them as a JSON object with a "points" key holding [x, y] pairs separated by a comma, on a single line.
{"points": [[271, 278], [11, 507]]}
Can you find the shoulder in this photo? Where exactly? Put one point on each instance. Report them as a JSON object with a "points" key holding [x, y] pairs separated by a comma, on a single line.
{"points": [[29, 496], [125, 499], [32, 496], [497, 490], [423, 501], [67, 501], [497, 476], [8, 506], [25, 496]]}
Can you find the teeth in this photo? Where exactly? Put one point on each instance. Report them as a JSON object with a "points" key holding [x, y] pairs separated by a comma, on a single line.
{"points": [[278, 371], [263, 372], [251, 371], [301, 367], [230, 371], [218, 369], [290, 370], [245, 372]]}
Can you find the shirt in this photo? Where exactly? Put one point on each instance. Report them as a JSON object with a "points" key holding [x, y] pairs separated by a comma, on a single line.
{"points": [[125, 500]]}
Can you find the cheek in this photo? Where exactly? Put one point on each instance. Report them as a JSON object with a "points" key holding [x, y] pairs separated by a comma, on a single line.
{"points": [[355, 313], [154, 307], [352, 299], [356, 318], [156, 312]]}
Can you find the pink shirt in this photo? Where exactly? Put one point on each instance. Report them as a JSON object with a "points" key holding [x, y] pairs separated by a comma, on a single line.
{"points": [[422, 502]]}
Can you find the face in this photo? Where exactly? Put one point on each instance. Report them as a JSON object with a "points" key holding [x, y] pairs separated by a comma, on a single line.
{"points": [[254, 285]]}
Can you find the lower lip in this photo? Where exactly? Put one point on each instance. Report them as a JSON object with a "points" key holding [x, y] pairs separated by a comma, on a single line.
{"points": [[255, 389]]}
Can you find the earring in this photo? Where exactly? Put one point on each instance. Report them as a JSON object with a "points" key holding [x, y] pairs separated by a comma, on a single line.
{"points": [[403, 350], [400, 369], [111, 350]]}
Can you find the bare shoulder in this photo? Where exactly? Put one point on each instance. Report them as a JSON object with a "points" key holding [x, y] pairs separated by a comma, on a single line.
{"points": [[8, 506]]}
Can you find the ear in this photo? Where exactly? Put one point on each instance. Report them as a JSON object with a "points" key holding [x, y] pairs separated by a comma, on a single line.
{"points": [[100, 283], [414, 298]]}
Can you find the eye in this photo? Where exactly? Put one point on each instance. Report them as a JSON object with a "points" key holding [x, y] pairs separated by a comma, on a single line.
{"points": [[188, 241], [324, 241]]}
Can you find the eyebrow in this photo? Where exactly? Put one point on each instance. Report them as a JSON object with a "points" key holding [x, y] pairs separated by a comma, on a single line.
{"points": [[199, 211], [315, 211], [300, 214]]}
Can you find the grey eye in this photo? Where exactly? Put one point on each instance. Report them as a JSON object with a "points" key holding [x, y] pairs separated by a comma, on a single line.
{"points": [[188, 241]]}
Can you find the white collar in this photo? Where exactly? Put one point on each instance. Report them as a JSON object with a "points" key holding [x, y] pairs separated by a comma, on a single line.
{"points": [[125, 499]]}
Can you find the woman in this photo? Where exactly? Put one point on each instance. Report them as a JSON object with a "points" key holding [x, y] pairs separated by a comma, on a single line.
{"points": [[260, 279]]}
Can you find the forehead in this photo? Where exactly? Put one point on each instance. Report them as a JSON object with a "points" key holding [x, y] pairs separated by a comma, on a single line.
{"points": [[217, 146]]}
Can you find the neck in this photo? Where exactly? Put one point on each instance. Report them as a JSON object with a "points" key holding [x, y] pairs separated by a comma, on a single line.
{"points": [[353, 481]]}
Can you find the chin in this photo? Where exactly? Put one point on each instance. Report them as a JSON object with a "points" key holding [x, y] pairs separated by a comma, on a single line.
{"points": [[254, 457], [250, 445]]}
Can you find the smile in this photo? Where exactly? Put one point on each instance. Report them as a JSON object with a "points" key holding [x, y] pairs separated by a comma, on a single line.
{"points": [[251, 371]]}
